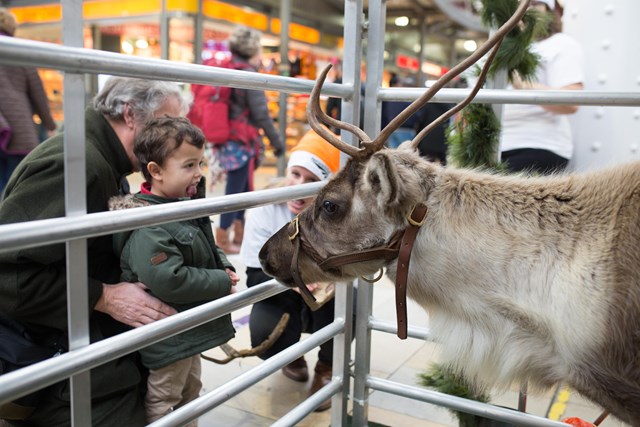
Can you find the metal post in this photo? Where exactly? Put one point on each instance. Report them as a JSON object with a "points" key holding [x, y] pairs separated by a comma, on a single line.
{"points": [[498, 81], [198, 35], [375, 64], [75, 204], [342, 352], [351, 65], [422, 78], [285, 70], [164, 31]]}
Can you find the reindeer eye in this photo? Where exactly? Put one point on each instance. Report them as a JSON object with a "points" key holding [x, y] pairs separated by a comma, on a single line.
{"points": [[329, 207]]}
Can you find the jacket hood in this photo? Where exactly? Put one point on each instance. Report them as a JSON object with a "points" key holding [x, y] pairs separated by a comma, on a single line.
{"points": [[127, 201]]}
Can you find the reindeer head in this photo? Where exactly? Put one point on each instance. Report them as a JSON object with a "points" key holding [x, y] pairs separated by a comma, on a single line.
{"points": [[355, 225]]}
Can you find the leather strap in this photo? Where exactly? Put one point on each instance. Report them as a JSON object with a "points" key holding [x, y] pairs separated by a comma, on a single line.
{"points": [[387, 253], [416, 219], [294, 231], [405, 239]]}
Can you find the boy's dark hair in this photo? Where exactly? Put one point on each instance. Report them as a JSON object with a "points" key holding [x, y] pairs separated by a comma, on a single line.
{"points": [[161, 137]]}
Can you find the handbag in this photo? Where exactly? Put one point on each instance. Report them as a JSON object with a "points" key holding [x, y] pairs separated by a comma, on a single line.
{"points": [[17, 350]]}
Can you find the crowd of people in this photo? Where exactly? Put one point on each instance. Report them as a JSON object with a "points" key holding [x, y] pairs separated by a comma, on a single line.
{"points": [[138, 277]]}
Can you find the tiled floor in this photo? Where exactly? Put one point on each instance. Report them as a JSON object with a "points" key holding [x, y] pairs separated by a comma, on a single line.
{"points": [[391, 358]]}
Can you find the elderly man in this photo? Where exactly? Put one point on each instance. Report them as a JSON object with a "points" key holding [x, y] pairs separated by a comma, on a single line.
{"points": [[33, 281]]}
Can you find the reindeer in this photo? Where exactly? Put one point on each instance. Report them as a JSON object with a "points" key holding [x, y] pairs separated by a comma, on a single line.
{"points": [[526, 279]]}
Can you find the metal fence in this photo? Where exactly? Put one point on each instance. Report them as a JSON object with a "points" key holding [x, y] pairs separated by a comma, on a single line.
{"points": [[77, 226]]}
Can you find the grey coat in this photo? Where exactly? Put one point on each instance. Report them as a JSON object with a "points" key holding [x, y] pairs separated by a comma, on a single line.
{"points": [[22, 95]]}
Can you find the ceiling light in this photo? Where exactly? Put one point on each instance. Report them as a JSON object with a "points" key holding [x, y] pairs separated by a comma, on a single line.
{"points": [[142, 44], [127, 47], [402, 21], [470, 45]]}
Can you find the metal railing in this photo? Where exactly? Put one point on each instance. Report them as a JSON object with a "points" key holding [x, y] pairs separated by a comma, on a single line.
{"points": [[77, 61]]}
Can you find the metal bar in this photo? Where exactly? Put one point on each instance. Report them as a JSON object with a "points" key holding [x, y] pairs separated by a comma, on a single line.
{"points": [[75, 207], [364, 306], [298, 413], [460, 404], [392, 328], [14, 51], [57, 230], [204, 403], [343, 308], [350, 112], [351, 63], [26, 380], [198, 28], [285, 70], [164, 31], [375, 63], [534, 97]]}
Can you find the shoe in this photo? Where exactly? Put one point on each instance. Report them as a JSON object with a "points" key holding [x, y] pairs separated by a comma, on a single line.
{"points": [[322, 377], [223, 242], [297, 370], [238, 232]]}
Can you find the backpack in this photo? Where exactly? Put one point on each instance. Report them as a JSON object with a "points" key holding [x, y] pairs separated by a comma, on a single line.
{"points": [[210, 110]]}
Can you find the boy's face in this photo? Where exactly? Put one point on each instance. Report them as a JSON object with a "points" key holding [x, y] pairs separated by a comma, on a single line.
{"points": [[180, 173], [299, 175]]}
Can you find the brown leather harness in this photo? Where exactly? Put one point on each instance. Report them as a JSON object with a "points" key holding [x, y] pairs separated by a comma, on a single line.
{"points": [[399, 246]]}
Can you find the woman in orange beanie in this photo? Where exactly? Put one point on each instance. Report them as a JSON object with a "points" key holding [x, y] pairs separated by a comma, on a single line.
{"points": [[312, 160]]}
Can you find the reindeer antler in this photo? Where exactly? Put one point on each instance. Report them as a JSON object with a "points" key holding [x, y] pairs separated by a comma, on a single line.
{"points": [[316, 115], [368, 147], [459, 106]]}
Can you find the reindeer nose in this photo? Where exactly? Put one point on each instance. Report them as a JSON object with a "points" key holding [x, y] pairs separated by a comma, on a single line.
{"points": [[263, 256]]}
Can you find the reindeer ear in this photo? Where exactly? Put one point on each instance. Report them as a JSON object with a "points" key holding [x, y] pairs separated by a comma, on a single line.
{"points": [[382, 180]]}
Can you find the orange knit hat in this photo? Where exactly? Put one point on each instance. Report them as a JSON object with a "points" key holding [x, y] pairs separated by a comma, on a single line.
{"points": [[316, 155]]}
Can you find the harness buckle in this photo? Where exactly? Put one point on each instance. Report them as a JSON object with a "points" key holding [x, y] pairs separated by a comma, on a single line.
{"points": [[417, 223], [294, 223]]}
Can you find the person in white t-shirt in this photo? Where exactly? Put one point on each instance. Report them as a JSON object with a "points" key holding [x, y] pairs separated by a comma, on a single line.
{"points": [[312, 159], [537, 138]]}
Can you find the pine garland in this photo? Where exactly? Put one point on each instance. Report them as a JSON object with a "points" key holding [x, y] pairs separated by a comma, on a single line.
{"points": [[445, 380], [473, 140]]}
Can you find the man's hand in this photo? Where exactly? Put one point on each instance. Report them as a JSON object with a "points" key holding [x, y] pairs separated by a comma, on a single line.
{"points": [[130, 304]]}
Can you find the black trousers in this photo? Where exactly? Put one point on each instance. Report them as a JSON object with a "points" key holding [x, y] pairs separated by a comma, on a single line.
{"points": [[123, 405], [265, 315], [533, 160]]}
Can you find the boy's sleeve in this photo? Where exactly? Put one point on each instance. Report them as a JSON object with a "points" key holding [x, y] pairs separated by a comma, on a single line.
{"points": [[225, 261]]}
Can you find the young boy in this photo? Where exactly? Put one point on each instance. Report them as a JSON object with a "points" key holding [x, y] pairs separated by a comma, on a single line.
{"points": [[179, 262]]}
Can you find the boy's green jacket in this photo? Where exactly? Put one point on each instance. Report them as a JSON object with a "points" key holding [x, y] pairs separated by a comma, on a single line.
{"points": [[181, 265]]}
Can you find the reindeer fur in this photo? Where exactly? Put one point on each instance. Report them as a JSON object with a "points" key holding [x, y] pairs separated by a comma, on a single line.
{"points": [[524, 278]]}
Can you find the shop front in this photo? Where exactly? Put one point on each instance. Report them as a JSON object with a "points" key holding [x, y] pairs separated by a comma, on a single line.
{"points": [[170, 29]]}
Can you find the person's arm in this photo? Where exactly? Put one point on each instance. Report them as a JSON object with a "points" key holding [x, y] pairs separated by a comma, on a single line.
{"points": [[129, 303], [555, 109], [257, 102], [563, 71], [38, 98], [225, 261]]}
